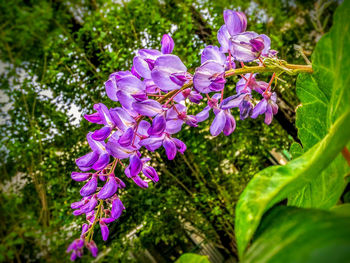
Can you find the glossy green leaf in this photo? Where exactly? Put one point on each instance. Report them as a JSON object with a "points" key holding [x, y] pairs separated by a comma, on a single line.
{"points": [[278, 182], [275, 183], [192, 258], [324, 98], [290, 234]]}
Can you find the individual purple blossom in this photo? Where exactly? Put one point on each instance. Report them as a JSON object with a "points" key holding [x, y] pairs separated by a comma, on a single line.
{"points": [[77, 176], [266, 106], [104, 229], [117, 208], [193, 96], [77, 249], [111, 83], [170, 144], [176, 116], [90, 187], [167, 44], [102, 116], [148, 108], [210, 76], [144, 62], [150, 173], [109, 188], [223, 122], [169, 73], [91, 246], [243, 46], [141, 183], [97, 159]]}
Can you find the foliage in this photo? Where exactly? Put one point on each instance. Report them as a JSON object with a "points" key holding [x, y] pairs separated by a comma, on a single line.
{"points": [[322, 141], [55, 56], [192, 258]]}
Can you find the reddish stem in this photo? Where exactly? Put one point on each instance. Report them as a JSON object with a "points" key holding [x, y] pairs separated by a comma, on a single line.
{"points": [[230, 59], [346, 154], [262, 62], [242, 65]]}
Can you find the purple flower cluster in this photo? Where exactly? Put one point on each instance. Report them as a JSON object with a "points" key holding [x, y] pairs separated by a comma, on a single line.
{"points": [[154, 97]]}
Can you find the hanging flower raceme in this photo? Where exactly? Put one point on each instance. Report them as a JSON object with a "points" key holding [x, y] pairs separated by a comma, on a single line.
{"points": [[154, 103]]}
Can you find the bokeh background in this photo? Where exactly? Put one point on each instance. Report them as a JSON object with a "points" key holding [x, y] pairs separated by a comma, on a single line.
{"points": [[54, 59]]}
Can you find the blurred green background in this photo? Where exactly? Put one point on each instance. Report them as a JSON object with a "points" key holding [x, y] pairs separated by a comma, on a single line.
{"points": [[54, 59]]}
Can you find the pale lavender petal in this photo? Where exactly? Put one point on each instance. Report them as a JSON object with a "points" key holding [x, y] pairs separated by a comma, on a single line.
{"points": [[224, 39], [152, 143], [174, 126], [232, 101], [205, 76], [118, 151], [236, 22], [213, 53], [241, 48], [76, 176], [108, 189], [230, 124], [126, 100], [148, 108], [96, 146], [267, 45], [131, 85], [167, 44], [121, 118], [90, 187], [268, 114], [152, 54], [170, 148], [203, 115], [143, 128], [111, 89], [141, 67], [165, 66], [218, 124], [245, 108], [195, 97], [260, 108]]}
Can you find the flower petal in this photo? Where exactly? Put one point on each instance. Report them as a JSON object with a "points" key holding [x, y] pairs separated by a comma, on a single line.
{"points": [[148, 108], [236, 22], [218, 124], [90, 187], [108, 189], [102, 162], [76, 176], [170, 148], [117, 208], [213, 53], [85, 162], [102, 134], [167, 44]]}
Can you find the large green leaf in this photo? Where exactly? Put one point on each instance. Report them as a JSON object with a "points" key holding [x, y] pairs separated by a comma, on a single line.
{"points": [[322, 147], [325, 96], [290, 234], [192, 258]]}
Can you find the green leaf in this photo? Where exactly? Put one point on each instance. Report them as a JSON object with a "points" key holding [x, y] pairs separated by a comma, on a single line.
{"points": [[324, 97], [290, 234], [192, 258], [331, 89], [275, 183]]}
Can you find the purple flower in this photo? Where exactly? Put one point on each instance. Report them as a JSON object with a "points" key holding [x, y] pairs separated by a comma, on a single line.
{"points": [[90, 187], [150, 173], [91, 246], [111, 83], [117, 208], [170, 73], [167, 44], [266, 106], [176, 116], [170, 144], [223, 122], [76, 176], [77, 249], [212, 104], [148, 108], [104, 230], [143, 63], [244, 46], [97, 159], [141, 183], [210, 76], [158, 125], [109, 188]]}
